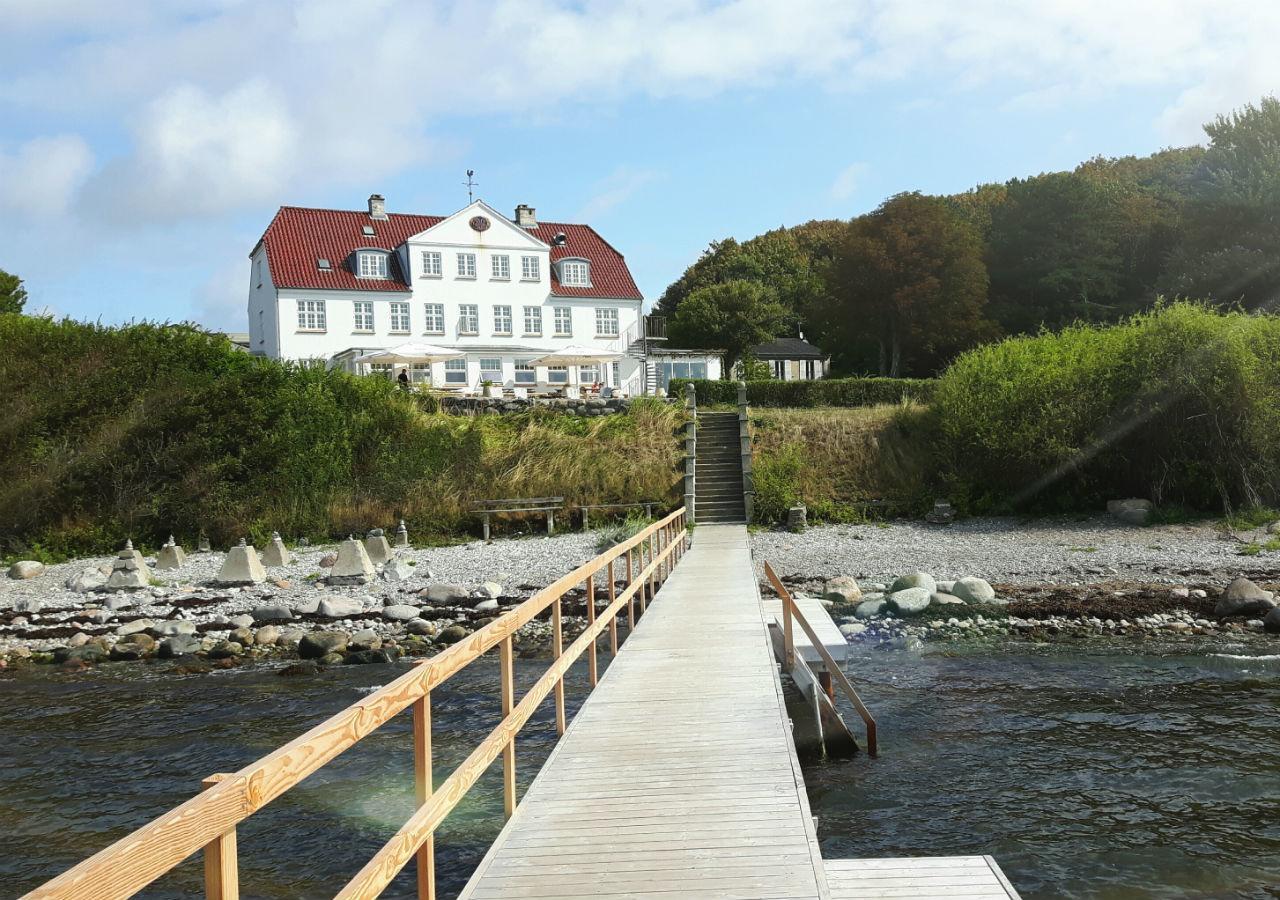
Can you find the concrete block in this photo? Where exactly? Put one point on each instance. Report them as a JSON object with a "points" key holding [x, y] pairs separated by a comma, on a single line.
{"points": [[276, 554], [353, 565], [376, 546], [242, 566], [170, 556], [402, 535], [129, 571]]}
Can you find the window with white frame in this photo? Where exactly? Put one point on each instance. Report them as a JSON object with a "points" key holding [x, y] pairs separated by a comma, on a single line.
{"points": [[500, 266], [525, 372], [588, 374], [491, 370], [371, 264], [364, 315], [468, 319], [575, 273], [399, 318], [606, 322], [455, 371], [616, 381], [564, 321], [502, 320], [466, 265], [529, 268], [533, 320], [420, 372], [558, 374], [311, 315], [432, 263], [434, 318]]}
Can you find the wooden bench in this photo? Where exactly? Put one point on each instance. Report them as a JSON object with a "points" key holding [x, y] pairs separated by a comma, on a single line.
{"points": [[647, 505], [548, 505]]}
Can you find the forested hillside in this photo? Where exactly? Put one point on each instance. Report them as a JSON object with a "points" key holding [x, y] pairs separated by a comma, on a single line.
{"points": [[901, 290]]}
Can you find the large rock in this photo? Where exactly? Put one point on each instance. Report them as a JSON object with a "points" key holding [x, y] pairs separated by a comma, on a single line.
{"points": [[242, 566], [1242, 597], [1132, 511], [910, 601], [1271, 621], [444, 593], [353, 565], [86, 580], [276, 554], [129, 572], [266, 636], [421, 627], [366, 639], [490, 590], [376, 547], [868, 608], [271, 612], [319, 644], [489, 605], [178, 645], [396, 570], [26, 568], [336, 606], [171, 556], [173, 627], [942, 598], [400, 613], [305, 606], [842, 589], [135, 627], [28, 605], [973, 590], [135, 646], [453, 634], [915, 580]]}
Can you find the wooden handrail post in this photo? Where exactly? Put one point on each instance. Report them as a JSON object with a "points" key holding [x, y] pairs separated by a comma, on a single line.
{"points": [[557, 647], [613, 621], [592, 672], [423, 787], [653, 555], [631, 600], [788, 636], [221, 866], [507, 661]]}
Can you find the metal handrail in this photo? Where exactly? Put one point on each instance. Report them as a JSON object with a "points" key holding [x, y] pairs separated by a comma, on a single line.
{"points": [[790, 610]]}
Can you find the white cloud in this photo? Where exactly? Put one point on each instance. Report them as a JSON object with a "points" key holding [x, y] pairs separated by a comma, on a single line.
{"points": [[613, 191], [39, 177], [848, 180], [220, 302]]}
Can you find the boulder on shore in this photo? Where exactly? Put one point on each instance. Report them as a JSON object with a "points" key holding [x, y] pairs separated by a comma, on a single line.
{"points": [[319, 644], [973, 590], [1271, 622], [914, 580], [444, 593], [1132, 511], [868, 608], [910, 601], [26, 568], [842, 589], [1242, 597], [336, 606]]}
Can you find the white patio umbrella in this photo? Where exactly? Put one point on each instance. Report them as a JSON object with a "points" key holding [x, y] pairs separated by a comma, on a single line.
{"points": [[576, 355], [411, 353]]}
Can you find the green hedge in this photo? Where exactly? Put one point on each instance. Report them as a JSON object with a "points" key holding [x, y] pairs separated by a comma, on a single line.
{"points": [[1180, 405], [826, 392]]}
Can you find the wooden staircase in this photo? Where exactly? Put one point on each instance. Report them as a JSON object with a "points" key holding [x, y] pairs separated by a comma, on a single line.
{"points": [[718, 475]]}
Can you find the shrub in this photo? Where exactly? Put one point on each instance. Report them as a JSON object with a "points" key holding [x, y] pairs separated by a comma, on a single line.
{"points": [[809, 394], [1180, 404]]}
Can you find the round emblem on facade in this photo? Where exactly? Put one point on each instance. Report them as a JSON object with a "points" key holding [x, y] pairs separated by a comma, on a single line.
{"points": [[479, 223]]}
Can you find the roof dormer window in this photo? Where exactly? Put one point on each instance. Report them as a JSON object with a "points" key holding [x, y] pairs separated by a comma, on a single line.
{"points": [[324, 265], [368, 230], [371, 264], [575, 273]]}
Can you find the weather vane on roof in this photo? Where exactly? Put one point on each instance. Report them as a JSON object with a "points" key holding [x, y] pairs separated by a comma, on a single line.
{"points": [[471, 184]]}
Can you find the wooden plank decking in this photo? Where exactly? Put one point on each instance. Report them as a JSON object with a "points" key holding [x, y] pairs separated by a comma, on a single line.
{"points": [[678, 777], [919, 878]]}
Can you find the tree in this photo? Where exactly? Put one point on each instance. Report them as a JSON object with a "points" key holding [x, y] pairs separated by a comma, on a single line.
{"points": [[1231, 249], [909, 282], [733, 317], [13, 296]]}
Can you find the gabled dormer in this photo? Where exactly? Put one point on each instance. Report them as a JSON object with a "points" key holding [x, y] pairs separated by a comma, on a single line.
{"points": [[479, 224]]}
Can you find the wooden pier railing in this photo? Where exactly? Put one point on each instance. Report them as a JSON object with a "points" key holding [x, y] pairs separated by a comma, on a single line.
{"points": [[208, 820], [791, 611]]}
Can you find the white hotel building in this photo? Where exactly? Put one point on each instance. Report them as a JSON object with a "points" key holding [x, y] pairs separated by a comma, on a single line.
{"points": [[330, 285]]}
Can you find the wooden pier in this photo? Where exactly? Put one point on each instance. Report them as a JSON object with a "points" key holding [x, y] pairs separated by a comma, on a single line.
{"points": [[678, 777]]}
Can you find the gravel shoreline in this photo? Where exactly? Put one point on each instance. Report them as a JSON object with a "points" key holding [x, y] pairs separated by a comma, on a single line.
{"points": [[1018, 551]]}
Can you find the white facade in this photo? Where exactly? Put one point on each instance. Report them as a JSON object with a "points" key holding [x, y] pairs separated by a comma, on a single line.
{"points": [[487, 291]]}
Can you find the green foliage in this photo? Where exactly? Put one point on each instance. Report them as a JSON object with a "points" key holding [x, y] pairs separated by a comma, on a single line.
{"points": [[13, 296], [908, 284], [824, 392], [733, 317], [776, 477], [1180, 404], [617, 532], [150, 429]]}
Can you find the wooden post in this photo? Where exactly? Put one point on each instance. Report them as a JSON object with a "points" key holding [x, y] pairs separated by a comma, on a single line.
{"points": [[788, 641], [557, 647], [613, 622], [644, 582], [586, 518], [631, 601], [653, 554], [221, 867], [423, 786], [551, 522], [485, 518], [592, 672], [507, 661]]}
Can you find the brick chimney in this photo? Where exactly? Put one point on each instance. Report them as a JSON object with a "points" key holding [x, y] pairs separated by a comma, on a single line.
{"points": [[377, 207], [525, 217]]}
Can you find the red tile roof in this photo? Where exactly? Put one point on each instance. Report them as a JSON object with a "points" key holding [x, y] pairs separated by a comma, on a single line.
{"points": [[297, 237]]}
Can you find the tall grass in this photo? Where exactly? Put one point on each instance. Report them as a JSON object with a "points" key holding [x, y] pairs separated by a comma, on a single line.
{"points": [[150, 429]]}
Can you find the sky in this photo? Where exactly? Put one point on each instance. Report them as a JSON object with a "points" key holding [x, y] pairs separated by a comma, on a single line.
{"points": [[145, 145]]}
